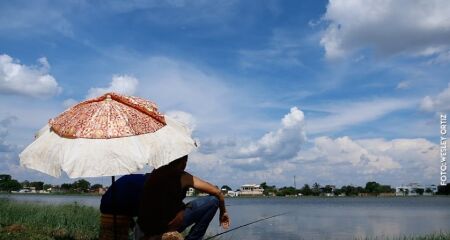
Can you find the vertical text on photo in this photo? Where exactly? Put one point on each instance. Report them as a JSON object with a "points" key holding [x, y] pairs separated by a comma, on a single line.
{"points": [[443, 144]]}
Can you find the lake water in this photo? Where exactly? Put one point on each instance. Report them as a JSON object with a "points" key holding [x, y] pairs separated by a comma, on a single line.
{"points": [[315, 218]]}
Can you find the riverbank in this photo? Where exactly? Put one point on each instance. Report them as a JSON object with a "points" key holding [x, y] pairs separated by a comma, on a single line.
{"points": [[28, 220], [24, 220]]}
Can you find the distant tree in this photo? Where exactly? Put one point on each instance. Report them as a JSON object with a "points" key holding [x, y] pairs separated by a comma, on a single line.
{"points": [[10, 185], [37, 185], [429, 190], [47, 186], [287, 191], [268, 190], [337, 192], [95, 187], [386, 189], [81, 185], [444, 190], [316, 189], [372, 187], [226, 187], [350, 190], [66, 187], [5, 177], [306, 190], [263, 185], [25, 184], [359, 190], [327, 189], [420, 191]]}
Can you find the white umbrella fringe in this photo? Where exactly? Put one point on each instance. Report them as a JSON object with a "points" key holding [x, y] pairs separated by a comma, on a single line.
{"points": [[84, 157]]}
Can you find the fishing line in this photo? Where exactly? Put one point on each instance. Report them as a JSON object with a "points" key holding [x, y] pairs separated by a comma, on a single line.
{"points": [[259, 220]]}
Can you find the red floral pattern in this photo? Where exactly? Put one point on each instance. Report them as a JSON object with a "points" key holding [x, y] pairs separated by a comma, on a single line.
{"points": [[109, 116]]}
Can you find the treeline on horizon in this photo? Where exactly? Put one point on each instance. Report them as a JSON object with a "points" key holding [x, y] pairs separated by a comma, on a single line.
{"points": [[8, 184], [371, 188]]}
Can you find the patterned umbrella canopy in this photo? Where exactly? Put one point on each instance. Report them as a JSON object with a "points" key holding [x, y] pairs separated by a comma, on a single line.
{"points": [[109, 135]]}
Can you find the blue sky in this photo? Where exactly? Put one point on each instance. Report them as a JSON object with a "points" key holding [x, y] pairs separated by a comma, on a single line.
{"points": [[340, 92]]}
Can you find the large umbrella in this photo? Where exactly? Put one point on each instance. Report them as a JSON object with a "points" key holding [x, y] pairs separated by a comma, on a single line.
{"points": [[107, 136]]}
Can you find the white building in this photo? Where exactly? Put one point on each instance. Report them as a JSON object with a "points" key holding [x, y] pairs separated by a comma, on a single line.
{"points": [[415, 189], [231, 193], [251, 190]]}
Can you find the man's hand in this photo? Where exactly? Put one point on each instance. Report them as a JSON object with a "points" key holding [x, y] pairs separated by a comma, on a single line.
{"points": [[224, 220], [176, 222]]}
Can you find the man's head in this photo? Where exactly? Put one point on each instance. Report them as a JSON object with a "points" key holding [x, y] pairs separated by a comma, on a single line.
{"points": [[179, 163]]}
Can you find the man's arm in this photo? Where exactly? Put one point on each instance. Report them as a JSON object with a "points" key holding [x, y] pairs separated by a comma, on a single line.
{"points": [[187, 180]]}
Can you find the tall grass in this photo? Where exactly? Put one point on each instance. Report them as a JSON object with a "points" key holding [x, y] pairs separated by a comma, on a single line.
{"points": [[23, 220]]}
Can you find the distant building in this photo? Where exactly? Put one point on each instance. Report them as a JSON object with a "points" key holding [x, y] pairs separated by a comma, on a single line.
{"points": [[415, 189], [231, 193], [251, 190]]}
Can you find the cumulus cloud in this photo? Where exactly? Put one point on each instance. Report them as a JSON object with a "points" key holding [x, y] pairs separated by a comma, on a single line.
{"points": [[345, 114], [375, 158], [344, 150], [35, 81], [285, 152], [419, 28], [439, 103], [186, 118], [5, 123], [120, 83], [282, 144]]}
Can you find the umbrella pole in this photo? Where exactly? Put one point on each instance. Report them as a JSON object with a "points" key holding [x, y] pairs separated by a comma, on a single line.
{"points": [[113, 179]]}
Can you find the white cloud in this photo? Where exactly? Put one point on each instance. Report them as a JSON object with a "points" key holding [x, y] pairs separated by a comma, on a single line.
{"points": [[403, 85], [344, 150], [420, 28], [284, 49], [186, 118], [24, 18], [35, 81], [123, 84], [439, 103], [346, 114], [69, 102], [392, 159], [174, 84], [5, 123], [282, 144]]}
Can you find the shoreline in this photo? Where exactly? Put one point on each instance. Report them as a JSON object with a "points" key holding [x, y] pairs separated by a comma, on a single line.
{"points": [[20, 220]]}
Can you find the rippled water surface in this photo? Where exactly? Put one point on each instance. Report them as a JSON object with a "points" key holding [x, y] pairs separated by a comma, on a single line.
{"points": [[315, 218]]}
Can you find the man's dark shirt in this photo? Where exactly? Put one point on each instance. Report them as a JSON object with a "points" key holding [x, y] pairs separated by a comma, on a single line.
{"points": [[127, 190], [161, 200]]}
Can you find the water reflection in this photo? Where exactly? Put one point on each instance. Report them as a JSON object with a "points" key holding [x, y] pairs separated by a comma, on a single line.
{"points": [[316, 218]]}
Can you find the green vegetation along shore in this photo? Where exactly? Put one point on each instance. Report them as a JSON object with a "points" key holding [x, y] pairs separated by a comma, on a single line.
{"points": [[25, 220]]}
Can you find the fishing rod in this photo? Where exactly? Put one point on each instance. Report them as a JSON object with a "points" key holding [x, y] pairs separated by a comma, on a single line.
{"points": [[259, 220]]}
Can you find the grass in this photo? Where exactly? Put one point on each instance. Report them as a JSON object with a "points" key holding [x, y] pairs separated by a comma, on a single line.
{"points": [[24, 220], [433, 236]]}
